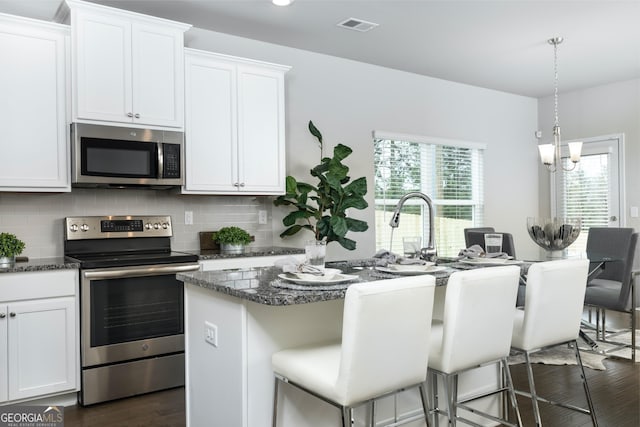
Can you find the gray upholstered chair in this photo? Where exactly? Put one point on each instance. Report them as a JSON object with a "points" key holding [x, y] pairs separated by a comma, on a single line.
{"points": [[384, 348], [476, 229], [613, 288]]}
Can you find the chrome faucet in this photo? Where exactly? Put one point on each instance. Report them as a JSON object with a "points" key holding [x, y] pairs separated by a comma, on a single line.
{"points": [[429, 252]]}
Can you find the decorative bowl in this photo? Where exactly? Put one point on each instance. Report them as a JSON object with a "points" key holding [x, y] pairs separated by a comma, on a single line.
{"points": [[554, 234]]}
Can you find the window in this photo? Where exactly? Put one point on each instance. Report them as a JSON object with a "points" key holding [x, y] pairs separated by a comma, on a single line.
{"points": [[592, 191], [449, 172]]}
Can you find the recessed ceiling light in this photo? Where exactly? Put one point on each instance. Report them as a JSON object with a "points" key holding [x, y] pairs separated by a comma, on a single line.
{"points": [[357, 24], [282, 2]]}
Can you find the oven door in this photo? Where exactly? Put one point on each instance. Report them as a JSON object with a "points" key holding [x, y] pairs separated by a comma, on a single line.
{"points": [[131, 313]]}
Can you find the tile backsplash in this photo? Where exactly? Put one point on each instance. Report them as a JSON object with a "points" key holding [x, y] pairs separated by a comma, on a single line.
{"points": [[37, 218]]}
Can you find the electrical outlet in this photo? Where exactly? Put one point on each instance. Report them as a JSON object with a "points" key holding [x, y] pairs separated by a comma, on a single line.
{"points": [[634, 211], [188, 217], [262, 217], [211, 333]]}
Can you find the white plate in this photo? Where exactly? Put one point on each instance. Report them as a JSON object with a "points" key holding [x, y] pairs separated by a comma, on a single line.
{"points": [[329, 273], [489, 261], [419, 269], [318, 280]]}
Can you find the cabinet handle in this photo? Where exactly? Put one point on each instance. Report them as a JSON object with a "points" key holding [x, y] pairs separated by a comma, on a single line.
{"points": [[137, 115], [242, 184], [12, 314], [2, 315], [129, 114], [235, 184]]}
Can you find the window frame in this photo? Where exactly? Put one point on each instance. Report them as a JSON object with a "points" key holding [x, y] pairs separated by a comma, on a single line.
{"points": [[477, 200]]}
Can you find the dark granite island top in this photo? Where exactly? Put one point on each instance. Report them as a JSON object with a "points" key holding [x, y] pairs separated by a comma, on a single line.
{"points": [[262, 285]]}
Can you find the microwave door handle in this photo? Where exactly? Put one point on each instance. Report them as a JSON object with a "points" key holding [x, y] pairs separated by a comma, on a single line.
{"points": [[160, 160]]}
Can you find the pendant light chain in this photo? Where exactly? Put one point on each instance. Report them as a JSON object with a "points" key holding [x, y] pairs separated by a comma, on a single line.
{"points": [[555, 78]]}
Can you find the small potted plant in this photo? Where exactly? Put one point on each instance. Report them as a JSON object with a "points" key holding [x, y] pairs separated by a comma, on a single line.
{"points": [[232, 240], [10, 246]]}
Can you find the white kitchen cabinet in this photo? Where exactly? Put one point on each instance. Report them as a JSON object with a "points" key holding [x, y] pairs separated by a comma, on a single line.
{"points": [[33, 105], [127, 67], [38, 334], [234, 125]]}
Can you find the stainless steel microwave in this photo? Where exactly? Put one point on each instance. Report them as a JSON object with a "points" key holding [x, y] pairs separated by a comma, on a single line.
{"points": [[119, 157]]}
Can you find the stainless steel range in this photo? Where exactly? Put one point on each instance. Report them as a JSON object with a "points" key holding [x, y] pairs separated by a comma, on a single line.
{"points": [[131, 305]]}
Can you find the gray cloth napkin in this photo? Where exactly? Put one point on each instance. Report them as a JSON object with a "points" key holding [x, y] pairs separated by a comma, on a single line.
{"points": [[476, 251], [385, 257], [292, 265]]}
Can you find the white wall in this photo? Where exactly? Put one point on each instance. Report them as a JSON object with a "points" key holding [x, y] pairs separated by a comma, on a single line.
{"points": [[347, 100], [602, 110]]}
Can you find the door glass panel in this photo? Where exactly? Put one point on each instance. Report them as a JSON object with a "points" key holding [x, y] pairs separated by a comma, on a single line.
{"points": [[591, 191]]}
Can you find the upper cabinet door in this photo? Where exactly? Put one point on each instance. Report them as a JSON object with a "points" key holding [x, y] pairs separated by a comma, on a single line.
{"points": [[261, 141], [33, 106], [211, 154], [127, 67], [158, 75], [102, 53]]}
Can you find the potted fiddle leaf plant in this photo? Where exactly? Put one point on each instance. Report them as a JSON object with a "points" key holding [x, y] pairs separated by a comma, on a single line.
{"points": [[322, 207], [10, 246], [232, 239]]}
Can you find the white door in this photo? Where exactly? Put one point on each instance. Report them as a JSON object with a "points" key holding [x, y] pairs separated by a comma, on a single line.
{"points": [[594, 190], [41, 347], [158, 75], [103, 68], [261, 130]]}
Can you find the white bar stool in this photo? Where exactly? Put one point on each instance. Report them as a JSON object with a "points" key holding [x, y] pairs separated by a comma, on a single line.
{"points": [[552, 314], [364, 367], [475, 331]]}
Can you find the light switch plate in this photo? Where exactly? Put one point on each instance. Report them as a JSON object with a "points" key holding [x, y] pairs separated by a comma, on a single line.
{"points": [[262, 217], [211, 333]]}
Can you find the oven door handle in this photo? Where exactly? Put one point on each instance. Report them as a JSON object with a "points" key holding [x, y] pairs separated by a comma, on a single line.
{"points": [[139, 271]]}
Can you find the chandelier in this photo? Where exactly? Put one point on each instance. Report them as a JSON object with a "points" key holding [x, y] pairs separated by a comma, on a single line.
{"points": [[550, 153]]}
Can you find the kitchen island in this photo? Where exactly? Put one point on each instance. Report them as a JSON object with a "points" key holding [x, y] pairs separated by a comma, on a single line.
{"points": [[236, 319]]}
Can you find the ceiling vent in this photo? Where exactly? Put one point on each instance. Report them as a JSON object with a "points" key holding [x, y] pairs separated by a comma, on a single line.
{"points": [[357, 25]]}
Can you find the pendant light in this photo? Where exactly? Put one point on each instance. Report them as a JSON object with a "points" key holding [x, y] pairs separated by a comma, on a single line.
{"points": [[550, 153]]}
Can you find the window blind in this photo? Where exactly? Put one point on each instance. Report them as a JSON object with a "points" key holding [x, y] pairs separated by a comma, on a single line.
{"points": [[449, 172]]}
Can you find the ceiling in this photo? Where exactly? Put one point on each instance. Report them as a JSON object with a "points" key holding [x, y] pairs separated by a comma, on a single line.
{"points": [[500, 45]]}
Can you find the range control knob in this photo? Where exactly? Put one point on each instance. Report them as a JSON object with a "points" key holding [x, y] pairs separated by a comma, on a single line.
{"points": [[73, 227], [84, 227], [156, 226], [148, 226], [165, 225]]}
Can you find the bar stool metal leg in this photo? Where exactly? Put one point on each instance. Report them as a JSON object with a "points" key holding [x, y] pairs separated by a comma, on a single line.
{"points": [[532, 388], [592, 411]]}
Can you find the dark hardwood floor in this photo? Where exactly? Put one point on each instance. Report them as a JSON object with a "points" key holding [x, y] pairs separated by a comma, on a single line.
{"points": [[615, 392]]}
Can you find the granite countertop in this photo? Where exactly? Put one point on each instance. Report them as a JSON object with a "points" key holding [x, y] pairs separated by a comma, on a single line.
{"points": [[249, 252], [262, 285], [41, 264]]}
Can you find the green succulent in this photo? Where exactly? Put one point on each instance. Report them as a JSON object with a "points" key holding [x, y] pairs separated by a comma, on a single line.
{"points": [[10, 245], [232, 236], [334, 193]]}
